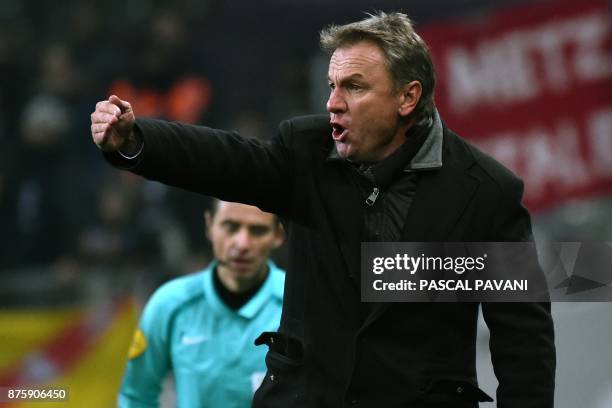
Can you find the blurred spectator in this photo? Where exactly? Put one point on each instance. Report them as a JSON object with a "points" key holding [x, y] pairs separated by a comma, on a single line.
{"points": [[47, 206], [114, 234], [163, 81]]}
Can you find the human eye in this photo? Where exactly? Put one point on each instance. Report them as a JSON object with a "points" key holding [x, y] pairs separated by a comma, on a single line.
{"points": [[259, 230], [230, 226], [354, 86]]}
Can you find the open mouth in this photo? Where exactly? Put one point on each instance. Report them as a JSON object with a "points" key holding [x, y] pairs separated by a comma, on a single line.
{"points": [[338, 132]]}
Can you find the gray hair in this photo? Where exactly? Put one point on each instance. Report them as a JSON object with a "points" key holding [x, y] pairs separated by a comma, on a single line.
{"points": [[406, 53]]}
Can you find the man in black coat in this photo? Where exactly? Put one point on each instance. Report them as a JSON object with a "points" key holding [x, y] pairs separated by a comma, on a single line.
{"points": [[381, 167]]}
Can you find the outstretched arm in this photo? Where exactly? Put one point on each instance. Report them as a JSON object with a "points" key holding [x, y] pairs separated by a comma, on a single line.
{"points": [[197, 158]]}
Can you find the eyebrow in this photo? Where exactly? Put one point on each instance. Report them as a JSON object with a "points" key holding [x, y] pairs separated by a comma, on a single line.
{"points": [[348, 78], [236, 222]]}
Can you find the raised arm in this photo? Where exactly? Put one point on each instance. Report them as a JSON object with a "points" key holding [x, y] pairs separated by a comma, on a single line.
{"points": [[197, 158]]}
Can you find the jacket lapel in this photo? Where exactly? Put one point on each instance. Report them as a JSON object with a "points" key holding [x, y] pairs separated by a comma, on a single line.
{"points": [[342, 212]]}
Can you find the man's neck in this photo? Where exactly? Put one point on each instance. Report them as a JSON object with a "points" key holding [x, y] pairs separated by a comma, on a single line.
{"points": [[236, 285], [239, 295]]}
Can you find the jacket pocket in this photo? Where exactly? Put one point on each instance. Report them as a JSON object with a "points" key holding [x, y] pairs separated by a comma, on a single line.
{"points": [[284, 384], [280, 363], [450, 393]]}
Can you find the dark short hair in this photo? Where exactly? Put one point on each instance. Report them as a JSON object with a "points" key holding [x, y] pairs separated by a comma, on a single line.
{"points": [[406, 53], [214, 206]]}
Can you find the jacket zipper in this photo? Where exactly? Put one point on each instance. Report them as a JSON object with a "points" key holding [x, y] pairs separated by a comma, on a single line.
{"points": [[372, 197]]}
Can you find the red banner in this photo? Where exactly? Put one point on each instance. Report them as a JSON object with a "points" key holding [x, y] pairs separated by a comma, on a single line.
{"points": [[532, 85]]}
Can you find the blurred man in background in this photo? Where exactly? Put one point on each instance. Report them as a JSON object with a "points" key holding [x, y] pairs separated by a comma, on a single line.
{"points": [[382, 166], [202, 326]]}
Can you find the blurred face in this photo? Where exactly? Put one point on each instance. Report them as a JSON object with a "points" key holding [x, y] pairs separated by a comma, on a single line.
{"points": [[365, 108], [242, 237]]}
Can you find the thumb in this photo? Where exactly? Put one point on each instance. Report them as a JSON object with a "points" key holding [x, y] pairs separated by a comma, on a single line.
{"points": [[123, 105]]}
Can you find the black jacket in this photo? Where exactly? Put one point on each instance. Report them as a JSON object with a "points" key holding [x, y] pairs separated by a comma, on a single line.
{"points": [[327, 354]]}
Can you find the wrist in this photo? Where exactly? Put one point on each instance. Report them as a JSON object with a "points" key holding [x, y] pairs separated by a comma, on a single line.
{"points": [[132, 145]]}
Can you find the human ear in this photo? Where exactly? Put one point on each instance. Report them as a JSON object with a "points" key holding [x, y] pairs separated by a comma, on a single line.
{"points": [[279, 235], [410, 94]]}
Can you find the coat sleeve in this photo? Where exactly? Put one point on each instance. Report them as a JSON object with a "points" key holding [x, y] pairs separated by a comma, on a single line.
{"points": [[522, 334], [215, 162]]}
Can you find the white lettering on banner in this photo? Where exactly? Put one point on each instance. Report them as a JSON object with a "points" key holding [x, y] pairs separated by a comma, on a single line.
{"points": [[557, 156], [505, 69], [550, 43], [554, 157], [499, 71], [592, 61]]}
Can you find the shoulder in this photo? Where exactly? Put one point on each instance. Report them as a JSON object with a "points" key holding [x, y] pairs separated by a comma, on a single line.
{"points": [[308, 123], [310, 127], [485, 168], [305, 137], [174, 294], [277, 278]]}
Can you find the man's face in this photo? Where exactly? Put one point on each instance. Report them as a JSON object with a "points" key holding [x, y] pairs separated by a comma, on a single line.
{"points": [[364, 107], [242, 237]]}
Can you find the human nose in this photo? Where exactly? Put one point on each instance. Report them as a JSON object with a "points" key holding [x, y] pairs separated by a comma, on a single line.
{"points": [[242, 239], [335, 103]]}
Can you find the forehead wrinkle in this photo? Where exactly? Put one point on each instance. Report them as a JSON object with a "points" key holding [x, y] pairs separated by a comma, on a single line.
{"points": [[348, 69], [354, 61]]}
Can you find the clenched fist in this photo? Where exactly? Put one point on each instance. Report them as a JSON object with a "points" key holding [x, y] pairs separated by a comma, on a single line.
{"points": [[112, 126]]}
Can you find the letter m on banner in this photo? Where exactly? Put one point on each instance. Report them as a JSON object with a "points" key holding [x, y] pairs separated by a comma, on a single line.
{"points": [[532, 86]]}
